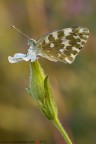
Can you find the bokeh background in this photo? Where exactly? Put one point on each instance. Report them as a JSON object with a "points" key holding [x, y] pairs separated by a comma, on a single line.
{"points": [[74, 86]]}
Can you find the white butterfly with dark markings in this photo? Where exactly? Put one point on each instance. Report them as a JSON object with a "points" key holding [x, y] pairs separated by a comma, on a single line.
{"points": [[61, 45]]}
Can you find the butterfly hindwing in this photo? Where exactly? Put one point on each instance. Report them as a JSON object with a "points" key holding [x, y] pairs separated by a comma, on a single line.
{"points": [[63, 45]]}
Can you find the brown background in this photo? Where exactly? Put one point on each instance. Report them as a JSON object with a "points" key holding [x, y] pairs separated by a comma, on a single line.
{"points": [[74, 86]]}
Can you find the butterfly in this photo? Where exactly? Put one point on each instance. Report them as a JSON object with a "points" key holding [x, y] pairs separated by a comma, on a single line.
{"points": [[61, 45]]}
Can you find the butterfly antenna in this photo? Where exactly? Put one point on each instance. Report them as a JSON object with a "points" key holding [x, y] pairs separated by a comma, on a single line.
{"points": [[19, 31]]}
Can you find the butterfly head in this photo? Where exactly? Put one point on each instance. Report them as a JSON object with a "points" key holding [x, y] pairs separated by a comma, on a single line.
{"points": [[31, 42]]}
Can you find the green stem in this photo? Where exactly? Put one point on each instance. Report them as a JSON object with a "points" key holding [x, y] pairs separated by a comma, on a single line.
{"points": [[62, 131], [40, 89]]}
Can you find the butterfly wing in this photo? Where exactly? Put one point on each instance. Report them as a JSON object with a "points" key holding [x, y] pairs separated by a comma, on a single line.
{"points": [[63, 45]]}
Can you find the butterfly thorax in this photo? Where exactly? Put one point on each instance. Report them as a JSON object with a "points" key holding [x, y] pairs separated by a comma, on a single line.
{"points": [[33, 47]]}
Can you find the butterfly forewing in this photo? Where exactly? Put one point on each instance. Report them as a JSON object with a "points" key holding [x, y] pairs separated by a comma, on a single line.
{"points": [[63, 45]]}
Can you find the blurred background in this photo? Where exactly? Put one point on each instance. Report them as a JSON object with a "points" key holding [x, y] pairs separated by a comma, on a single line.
{"points": [[74, 86]]}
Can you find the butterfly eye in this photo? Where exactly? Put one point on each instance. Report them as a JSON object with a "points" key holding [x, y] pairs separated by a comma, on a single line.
{"points": [[31, 42]]}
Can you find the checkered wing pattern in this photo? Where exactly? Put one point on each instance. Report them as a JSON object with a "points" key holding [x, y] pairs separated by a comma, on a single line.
{"points": [[63, 45]]}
